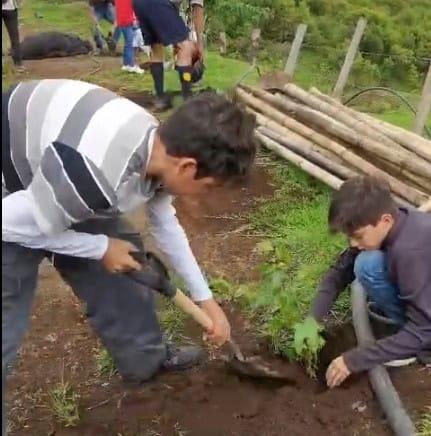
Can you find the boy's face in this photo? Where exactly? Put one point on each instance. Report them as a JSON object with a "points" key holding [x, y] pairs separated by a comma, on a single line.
{"points": [[371, 237], [180, 179]]}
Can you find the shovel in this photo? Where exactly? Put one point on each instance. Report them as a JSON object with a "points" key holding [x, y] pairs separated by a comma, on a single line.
{"points": [[155, 276]]}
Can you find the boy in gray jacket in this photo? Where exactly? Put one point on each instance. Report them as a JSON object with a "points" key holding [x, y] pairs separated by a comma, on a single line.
{"points": [[390, 255]]}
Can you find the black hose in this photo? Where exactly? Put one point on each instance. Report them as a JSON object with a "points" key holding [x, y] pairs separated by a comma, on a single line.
{"points": [[387, 396], [389, 91]]}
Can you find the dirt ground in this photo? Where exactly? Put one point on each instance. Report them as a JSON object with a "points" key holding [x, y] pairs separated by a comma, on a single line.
{"points": [[208, 401]]}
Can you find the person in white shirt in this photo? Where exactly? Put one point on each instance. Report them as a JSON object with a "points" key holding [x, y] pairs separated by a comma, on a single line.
{"points": [[76, 157]]}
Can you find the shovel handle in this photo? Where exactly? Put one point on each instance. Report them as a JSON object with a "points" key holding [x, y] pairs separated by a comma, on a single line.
{"points": [[188, 306]]}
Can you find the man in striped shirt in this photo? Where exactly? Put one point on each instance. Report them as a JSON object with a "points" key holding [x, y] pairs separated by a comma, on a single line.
{"points": [[74, 158]]}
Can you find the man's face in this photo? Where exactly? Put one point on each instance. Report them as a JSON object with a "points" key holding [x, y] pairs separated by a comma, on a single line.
{"points": [[371, 237], [180, 179]]}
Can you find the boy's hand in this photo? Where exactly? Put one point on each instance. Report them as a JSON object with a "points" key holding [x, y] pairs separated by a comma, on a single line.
{"points": [[337, 372], [117, 258], [221, 331]]}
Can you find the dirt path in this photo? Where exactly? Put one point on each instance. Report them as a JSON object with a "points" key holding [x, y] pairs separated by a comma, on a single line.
{"points": [[204, 402]]}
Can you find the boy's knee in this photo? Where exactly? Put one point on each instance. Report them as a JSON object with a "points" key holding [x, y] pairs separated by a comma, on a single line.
{"points": [[369, 264]]}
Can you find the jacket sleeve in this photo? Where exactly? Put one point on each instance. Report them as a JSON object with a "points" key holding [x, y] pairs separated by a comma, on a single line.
{"points": [[338, 277], [414, 279]]}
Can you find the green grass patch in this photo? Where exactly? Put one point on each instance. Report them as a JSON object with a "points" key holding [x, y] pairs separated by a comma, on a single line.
{"points": [[295, 257], [64, 404], [424, 425], [105, 364], [45, 15]]}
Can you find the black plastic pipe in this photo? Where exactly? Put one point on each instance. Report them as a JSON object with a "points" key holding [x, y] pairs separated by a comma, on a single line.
{"points": [[386, 394]]}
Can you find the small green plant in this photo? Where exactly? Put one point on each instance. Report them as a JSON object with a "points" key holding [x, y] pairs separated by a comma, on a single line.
{"points": [[424, 426], [105, 363], [64, 403], [307, 342]]}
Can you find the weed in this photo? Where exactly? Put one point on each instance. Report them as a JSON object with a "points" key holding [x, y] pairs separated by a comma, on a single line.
{"points": [[105, 363], [171, 319], [424, 426], [64, 404]]}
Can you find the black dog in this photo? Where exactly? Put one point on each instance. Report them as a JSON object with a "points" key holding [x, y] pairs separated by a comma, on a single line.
{"points": [[54, 44]]}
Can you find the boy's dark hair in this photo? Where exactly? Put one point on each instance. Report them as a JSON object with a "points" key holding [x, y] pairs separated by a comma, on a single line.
{"points": [[215, 132], [361, 201]]}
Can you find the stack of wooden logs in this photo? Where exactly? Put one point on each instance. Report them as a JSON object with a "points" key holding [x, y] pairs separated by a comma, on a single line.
{"points": [[332, 142]]}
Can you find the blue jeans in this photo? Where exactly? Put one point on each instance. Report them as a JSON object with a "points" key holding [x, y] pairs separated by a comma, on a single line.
{"points": [[104, 12], [128, 51], [371, 271]]}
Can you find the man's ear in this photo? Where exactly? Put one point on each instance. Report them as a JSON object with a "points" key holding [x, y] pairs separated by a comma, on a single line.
{"points": [[188, 165], [387, 218]]}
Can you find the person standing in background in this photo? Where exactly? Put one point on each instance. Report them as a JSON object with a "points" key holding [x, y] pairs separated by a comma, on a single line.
{"points": [[9, 14], [125, 23], [104, 10], [162, 26]]}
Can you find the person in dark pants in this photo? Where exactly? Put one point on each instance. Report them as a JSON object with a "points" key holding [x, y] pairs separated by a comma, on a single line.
{"points": [[104, 10], [75, 158], [162, 26], [9, 13], [390, 256]]}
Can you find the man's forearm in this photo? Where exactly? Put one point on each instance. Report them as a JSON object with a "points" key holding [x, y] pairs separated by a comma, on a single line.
{"points": [[406, 343], [173, 243]]}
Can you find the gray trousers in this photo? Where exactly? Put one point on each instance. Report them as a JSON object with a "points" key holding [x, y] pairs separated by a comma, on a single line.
{"points": [[121, 311]]}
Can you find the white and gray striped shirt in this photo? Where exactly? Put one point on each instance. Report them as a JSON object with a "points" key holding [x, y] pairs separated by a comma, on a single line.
{"points": [[73, 151]]}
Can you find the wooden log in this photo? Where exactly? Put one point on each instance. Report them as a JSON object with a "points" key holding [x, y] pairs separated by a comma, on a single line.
{"points": [[302, 142], [299, 161], [409, 140], [307, 115], [407, 160], [410, 179], [309, 153], [308, 167], [399, 188]]}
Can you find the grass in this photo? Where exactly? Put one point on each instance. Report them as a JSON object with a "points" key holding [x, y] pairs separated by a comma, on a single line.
{"points": [[105, 364], [296, 256], [64, 404], [424, 425]]}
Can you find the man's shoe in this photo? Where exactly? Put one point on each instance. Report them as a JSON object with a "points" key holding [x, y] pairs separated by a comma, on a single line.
{"points": [[162, 104], [182, 358]]}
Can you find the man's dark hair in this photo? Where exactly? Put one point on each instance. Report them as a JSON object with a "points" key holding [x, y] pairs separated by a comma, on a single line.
{"points": [[215, 132], [361, 201]]}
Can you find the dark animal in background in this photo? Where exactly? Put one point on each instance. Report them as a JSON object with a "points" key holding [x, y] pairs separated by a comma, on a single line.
{"points": [[54, 44]]}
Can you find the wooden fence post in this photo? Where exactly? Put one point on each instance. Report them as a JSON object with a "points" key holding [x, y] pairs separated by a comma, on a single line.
{"points": [[255, 43], [222, 43], [424, 106], [292, 60], [349, 59]]}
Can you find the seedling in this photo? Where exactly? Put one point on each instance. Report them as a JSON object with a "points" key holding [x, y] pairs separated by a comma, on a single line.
{"points": [[307, 342]]}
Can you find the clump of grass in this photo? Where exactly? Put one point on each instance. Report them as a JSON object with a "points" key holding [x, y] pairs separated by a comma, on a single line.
{"points": [[424, 425], [105, 363], [64, 403], [172, 320]]}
